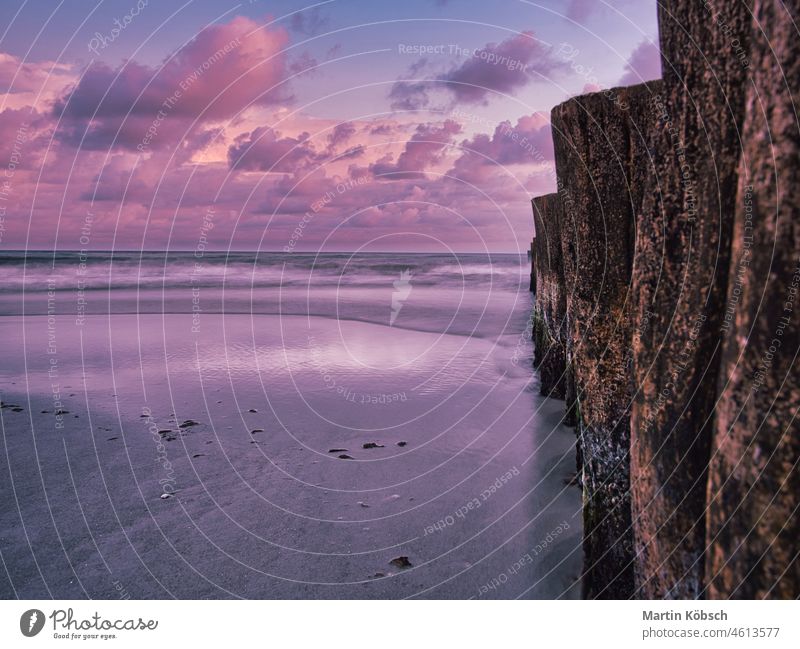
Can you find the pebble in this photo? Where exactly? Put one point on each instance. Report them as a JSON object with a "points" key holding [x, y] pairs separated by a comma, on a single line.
{"points": [[401, 562]]}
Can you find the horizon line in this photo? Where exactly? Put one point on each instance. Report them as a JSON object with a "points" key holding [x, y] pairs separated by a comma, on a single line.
{"points": [[293, 252]]}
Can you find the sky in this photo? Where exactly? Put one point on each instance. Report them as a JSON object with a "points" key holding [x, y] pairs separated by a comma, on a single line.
{"points": [[342, 125]]}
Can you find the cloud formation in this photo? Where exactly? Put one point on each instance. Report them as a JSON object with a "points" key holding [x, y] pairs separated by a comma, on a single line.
{"points": [[503, 67], [496, 68], [528, 142], [266, 150], [644, 64], [223, 70], [16, 76], [423, 150], [234, 137], [309, 22]]}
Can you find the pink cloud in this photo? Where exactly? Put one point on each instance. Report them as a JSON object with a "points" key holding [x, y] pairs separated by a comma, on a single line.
{"points": [[20, 142], [222, 71], [341, 133], [266, 150], [500, 67], [351, 153], [18, 77], [528, 142], [117, 182], [164, 197], [164, 194], [423, 150]]}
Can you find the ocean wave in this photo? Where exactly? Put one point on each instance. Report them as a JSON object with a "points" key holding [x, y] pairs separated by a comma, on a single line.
{"points": [[40, 271]]}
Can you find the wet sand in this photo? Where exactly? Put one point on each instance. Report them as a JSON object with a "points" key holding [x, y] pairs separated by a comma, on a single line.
{"points": [[462, 490]]}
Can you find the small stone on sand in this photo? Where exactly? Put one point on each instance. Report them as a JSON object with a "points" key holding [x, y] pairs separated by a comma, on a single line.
{"points": [[401, 562]]}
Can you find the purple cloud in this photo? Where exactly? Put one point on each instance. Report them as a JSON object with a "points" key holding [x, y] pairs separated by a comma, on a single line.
{"points": [[309, 22], [500, 67], [223, 70], [341, 133], [265, 149], [409, 95], [644, 64], [528, 142], [503, 67], [423, 149]]}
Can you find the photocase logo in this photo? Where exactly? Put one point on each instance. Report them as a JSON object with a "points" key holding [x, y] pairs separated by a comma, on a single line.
{"points": [[402, 289], [31, 622]]}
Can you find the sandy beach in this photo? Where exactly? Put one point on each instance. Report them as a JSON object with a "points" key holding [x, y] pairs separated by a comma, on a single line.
{"points": [[206, 455]]}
